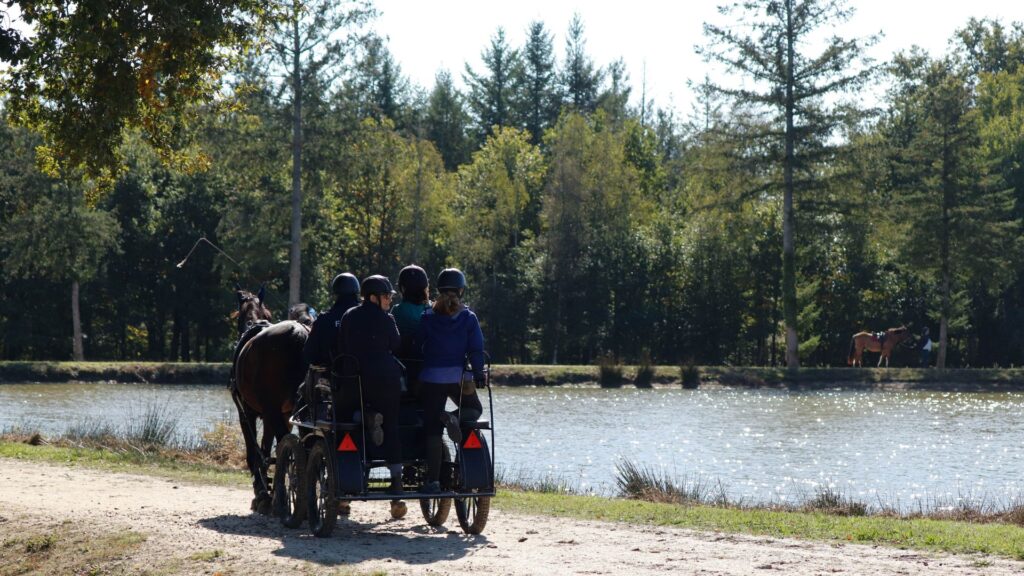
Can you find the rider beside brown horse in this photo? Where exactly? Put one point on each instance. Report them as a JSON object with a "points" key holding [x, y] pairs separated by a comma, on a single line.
{"points": [[884, 343], [267, 370]]}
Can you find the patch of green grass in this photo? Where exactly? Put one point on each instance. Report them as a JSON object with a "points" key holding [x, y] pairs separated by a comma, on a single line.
{"points": [[958, 537], [39, 543], [129, 461], [207, 555]]}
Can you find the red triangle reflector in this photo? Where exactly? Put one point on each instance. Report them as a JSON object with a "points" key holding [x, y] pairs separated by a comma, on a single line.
{"points": [[347, 445], [472, 441]]}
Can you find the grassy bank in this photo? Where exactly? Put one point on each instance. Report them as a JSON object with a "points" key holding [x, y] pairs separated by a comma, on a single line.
{"points": [[156, 372], [972, 379], [203, 466], [924, 534]]}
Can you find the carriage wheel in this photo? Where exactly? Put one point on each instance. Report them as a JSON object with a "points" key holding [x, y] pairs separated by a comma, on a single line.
{"points": [[472, 513], [321, 483], [289, 473], [435, 510]]}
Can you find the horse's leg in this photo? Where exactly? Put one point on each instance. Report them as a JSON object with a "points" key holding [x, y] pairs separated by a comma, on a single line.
{"points": [[252, 454]]}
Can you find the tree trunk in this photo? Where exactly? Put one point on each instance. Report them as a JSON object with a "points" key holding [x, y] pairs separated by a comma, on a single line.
{"points": [[940, 359], [295, 253], [78, 351], [186, 341], [789, 303]]}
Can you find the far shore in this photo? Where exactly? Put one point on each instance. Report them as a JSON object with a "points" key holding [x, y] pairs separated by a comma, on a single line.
{"points": [[828, 378]]}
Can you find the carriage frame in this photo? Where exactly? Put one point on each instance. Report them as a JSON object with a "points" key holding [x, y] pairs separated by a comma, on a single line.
{"points": [[331, 462]]}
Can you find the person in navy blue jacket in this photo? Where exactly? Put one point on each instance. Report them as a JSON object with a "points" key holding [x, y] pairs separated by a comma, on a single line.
{"points": [[368, 332], [448, 333], [322, 345]]}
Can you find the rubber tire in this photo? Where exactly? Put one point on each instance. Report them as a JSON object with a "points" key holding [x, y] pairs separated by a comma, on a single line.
{"points": [[472, 513], [289, 482], [321, 484], [436, 510]]}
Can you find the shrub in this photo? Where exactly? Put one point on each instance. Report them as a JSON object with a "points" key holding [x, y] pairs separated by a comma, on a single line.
{"points": [[154, 427], [609, 372], [690, 375], [653, 485], [644, 373], [832, 501]]}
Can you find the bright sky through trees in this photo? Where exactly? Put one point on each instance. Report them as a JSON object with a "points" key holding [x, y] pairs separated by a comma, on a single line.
{"points": [[427, 36]]}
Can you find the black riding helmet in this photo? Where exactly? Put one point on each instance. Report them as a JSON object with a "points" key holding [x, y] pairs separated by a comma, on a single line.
{"points": [[412, 278], [345, 285], [376, 284], [451, 280]]}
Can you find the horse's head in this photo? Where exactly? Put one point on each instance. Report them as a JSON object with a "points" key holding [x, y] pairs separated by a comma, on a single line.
{"points": [[250, 308], [898, 334]]}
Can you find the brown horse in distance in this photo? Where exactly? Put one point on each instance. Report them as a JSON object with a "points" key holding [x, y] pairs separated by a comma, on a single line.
{"points": [[862, 341], [268, 368]]}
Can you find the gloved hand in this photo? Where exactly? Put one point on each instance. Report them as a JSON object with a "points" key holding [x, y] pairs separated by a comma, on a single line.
{"points": [[479, 379]]}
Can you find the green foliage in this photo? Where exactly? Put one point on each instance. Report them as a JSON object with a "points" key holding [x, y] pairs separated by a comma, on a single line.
{"points": [[94, 69], [956, 213], [585, 226], [788, 98], [492, 93]]}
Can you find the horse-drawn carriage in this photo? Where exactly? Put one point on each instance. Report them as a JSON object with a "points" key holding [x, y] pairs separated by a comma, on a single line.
{"points": [[330, 461]]}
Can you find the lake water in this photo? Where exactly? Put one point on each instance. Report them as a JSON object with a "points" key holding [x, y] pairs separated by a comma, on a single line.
{"points": [[898, 448]]}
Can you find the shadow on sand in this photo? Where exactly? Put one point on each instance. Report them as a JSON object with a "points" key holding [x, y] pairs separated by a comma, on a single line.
{"points": [[354, 542]]}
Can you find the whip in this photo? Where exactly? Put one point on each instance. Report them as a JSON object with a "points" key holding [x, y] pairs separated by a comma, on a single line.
{"points": [[212, 245]]}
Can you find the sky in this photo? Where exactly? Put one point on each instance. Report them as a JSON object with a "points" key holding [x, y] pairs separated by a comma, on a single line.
{"points": [[658, 36]]}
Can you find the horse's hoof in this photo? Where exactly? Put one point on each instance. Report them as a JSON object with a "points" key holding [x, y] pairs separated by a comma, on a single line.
{"points": [[398, 509], [262, 505], [344, 508]]}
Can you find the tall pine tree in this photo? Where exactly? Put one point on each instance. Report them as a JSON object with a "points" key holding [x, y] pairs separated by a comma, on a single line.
{"points": [[492, 92], [794, 89]]}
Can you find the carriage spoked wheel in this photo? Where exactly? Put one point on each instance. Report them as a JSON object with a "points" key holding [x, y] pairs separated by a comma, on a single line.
{"points": [[320, 489], [289, 489], [436, 510], [472, 513]]}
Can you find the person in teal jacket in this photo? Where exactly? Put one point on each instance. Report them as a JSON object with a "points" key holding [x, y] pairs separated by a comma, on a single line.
{"points": [[415, 289]]}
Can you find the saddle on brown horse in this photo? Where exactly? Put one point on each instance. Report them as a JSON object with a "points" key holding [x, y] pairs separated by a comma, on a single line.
{"points": [[882, 342]]}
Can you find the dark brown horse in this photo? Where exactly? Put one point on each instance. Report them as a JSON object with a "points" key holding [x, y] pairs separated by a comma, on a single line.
{"points": [[268, 368], [862, 341]]}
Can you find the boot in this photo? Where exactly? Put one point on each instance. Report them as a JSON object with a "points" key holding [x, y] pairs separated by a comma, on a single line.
{"points": [[434, 454], [396, 487], [451, 424]]}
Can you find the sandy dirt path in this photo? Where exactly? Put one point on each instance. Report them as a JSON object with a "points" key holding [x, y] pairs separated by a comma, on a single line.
{"points": [[181, 520]]}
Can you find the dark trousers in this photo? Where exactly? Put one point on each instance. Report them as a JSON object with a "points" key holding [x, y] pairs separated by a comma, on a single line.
{"points": [[924, 358], [385, 396], [433, 398]]}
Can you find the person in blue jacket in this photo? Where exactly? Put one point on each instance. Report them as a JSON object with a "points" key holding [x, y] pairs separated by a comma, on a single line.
{"points": [[448, 333], [368, 333]]}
